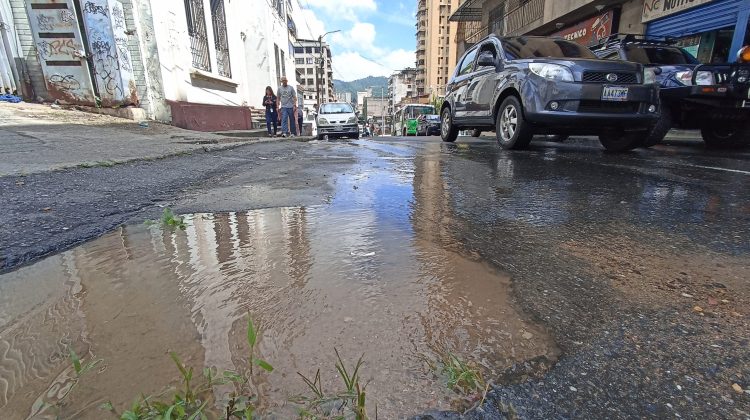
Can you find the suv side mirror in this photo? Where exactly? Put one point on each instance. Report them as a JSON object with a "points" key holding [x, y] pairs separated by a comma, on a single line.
{"points": [[486, 59]]}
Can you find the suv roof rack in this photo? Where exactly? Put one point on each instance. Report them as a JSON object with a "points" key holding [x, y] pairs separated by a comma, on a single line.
{"points": [[620, 38]]}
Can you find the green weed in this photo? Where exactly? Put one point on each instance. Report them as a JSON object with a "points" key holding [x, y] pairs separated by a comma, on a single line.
{"points": [[169, 219], [189, 402], [462, 377], [348, 402]]}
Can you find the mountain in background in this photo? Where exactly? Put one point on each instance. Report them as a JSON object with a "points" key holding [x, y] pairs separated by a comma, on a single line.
{"points": [[362, 84]]}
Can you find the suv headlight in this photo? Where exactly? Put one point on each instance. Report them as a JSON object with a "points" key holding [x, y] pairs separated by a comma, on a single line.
{"points": [[649, 75], [322, 121], [552, 71], [703, 78], [685, 77], [351, 120]]}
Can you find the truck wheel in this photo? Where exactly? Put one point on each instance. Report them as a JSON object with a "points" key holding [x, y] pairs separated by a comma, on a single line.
{"points": [[511, 130], [730, 137], [448, 131], [660, 129], [621, 142], [476, 133]]}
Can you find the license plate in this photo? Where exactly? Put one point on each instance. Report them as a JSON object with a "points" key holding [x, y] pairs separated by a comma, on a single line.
{"points": [[338, 127], [614, 93]]}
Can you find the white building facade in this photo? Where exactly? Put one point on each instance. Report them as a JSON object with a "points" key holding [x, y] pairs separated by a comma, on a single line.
{"points": [[198, 64]]}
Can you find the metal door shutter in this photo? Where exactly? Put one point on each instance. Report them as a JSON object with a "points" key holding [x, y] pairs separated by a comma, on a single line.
{"points": [[708, 17]]}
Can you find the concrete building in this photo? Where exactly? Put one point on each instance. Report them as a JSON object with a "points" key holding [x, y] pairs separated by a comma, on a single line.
{"points": [[198, 64], [316, 77], [401, 86], [361, 95], [585, 21], [376, 111], [344, 97], [436, 56]]}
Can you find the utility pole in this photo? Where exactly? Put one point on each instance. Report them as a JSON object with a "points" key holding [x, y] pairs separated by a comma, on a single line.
{"points": [[319, 79]]}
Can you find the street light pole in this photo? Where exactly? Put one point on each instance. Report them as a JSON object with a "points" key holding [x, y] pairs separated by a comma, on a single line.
{"points": [[322, 67]]}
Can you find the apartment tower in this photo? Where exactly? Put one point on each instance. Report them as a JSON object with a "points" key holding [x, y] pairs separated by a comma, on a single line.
{"points": [[436, 57]]}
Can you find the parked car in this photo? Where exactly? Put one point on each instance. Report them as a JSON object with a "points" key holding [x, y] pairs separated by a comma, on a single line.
{"points": [[429, 125], [714, 98], [527, 85], [337, 119]]}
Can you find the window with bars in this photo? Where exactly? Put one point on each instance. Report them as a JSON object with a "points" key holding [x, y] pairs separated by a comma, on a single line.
{"points": [[218, 18], [279, 6], [196, 25], [278, 65], [283, 63]]}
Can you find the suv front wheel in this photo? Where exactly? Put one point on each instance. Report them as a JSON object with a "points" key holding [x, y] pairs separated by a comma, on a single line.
{"points": [[621, 142], [511, 129], [729, 137], [448, 131]]}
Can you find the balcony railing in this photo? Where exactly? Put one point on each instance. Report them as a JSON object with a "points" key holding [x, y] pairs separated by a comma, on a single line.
{"points": [[522, 13], [470, 32]]}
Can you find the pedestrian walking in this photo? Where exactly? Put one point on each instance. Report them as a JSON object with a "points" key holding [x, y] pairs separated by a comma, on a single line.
{"points": [[300, 121], [288, 104], [272, 111], [300, 107]]}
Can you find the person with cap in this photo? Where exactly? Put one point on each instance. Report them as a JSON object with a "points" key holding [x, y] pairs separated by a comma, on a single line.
{"points": [[288, 103]]}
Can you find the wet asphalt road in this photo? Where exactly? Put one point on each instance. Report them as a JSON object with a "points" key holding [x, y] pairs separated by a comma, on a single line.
{"points": [[636, 263]]}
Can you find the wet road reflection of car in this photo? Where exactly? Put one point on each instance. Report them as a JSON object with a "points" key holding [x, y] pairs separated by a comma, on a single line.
{"points": [[522, 86]]}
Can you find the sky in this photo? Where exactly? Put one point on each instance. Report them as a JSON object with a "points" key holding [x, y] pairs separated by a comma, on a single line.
{"points": [[376, 38]]}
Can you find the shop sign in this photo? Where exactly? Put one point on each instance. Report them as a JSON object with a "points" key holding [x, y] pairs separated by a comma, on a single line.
{"points": [[590, 30], [655, 9]]}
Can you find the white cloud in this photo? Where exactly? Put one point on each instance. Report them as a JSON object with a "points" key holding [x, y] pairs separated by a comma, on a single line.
{"points": [[355, 52], [360, 36], [345, 9], [311, 27]]}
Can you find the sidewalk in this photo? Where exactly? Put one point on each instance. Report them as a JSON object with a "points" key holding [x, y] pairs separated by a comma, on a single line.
{"points": [[38, 138]]}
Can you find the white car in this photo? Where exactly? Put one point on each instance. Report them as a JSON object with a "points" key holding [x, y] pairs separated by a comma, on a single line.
{"points": [[337, 119]]}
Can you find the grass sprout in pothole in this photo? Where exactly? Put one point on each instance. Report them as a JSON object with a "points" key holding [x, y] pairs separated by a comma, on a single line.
{"points": [[462, 377], [170, 220], [349, 402], [189, 402], [191, 399]]}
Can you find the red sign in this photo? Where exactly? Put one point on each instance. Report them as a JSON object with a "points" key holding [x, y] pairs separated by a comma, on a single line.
{"points": [[590, 30]]}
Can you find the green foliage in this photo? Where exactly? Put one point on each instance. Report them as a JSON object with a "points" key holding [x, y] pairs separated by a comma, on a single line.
{"points": [[170, 220], [348, 402], [461, 376], [189, 402], [437, 102], [360, 85]]}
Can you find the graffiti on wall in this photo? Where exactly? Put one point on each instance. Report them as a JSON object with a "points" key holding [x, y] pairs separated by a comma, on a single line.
{"points": [[58, 47], [105, 25], [67, 17], [64, 83], [45, 23], [106, 68], [93, 8]]}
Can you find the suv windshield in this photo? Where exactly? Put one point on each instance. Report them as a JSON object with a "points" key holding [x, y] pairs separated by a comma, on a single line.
{"points": [[532, 47], [336, 109], [658, 55]]}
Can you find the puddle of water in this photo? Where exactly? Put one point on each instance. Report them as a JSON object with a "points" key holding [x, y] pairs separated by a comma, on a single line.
{"points": [[371, 273]]}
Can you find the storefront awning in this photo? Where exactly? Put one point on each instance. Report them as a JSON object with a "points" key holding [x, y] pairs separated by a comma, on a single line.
{"points": [[470, 10]]}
